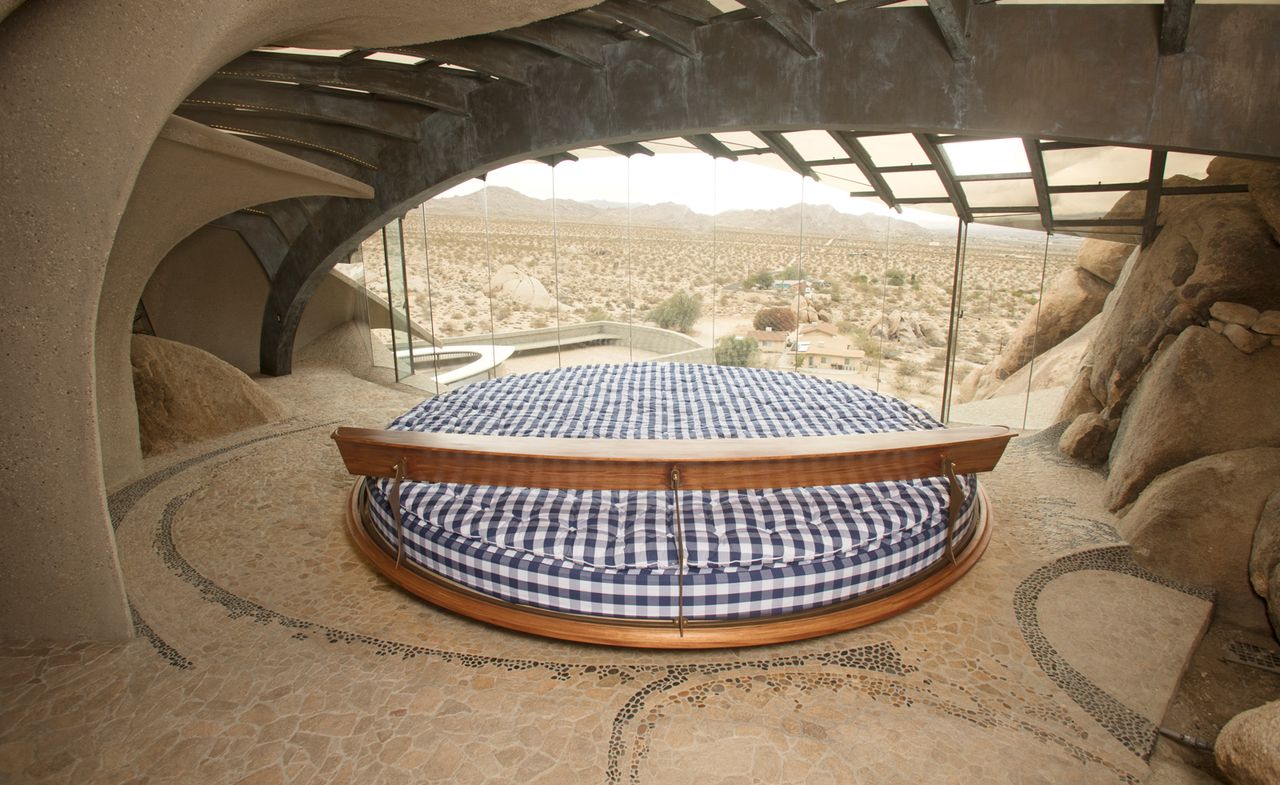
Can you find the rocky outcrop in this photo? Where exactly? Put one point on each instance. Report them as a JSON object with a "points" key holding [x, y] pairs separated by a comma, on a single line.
{"points": [[1196, 523], [909, 326], [185, 395], [1264, 558], [521, 287], [1191, 403], [1248, 748], [1103, 258], [1088, 438]]}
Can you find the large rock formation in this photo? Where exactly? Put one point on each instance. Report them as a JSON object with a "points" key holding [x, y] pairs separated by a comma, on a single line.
{"points": [[1265, 555], [521, 287], [1196, 523], [1248, 748], [186, 395], [1200, 396]]}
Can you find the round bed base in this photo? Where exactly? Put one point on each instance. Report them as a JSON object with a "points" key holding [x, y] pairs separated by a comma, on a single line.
{"points": [[693, 634]]}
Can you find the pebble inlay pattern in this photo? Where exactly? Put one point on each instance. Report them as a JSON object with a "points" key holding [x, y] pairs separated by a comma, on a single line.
{"points": [[1131, 729]]}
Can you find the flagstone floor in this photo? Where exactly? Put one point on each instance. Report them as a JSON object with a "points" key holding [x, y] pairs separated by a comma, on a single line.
{"points": [[268, 652]]}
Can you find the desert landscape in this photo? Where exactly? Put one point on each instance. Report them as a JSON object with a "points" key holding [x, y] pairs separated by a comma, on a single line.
{"points": [[884, 283]]}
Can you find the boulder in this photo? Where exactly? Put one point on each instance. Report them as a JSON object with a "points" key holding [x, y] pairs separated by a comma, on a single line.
{"points": [[1265, 554], [1264, 189], [1088, 438], [185, 394], [1079, 398], [1196, 524], [513, 284], [1217, 248], [1244, 340], [1055, 368], [1268, 323], [1234, 313], [1103, 258], [1248, 748], [1073, 298], [1199, 397]]}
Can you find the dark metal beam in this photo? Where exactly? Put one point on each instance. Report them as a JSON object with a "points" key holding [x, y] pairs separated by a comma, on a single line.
{"points": [[577, 42], [261, 234], [1155, 186], [697, 10], [671, 30], [711, 146], [1097, 188], [924, 200], [629, 149], [854, 149], [983, 178], [787, 152], [906, 168], [1077, 223], [1035, 159], [391, 118], [428, 86], [948, 178], [791, 19], [504, 59], [357, 146], [552, 160], [1204, 190], [952, 28], [1175, 24], [1027, 209]]}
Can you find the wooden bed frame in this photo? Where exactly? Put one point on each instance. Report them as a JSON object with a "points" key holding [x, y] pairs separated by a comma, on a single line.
{"points": [[674, 465]]}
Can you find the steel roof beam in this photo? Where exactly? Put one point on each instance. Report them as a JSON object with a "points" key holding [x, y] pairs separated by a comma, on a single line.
{"points": [[390, 118], [629, 149], [1035, 159], [671, 30], [854, 149], [787, 152], [951, 26], [791, 19], [711, 146], [948, 178], [1155, 187], [504, 59], [579, 43], [1175, 25], [359, 147], [429, 86]]}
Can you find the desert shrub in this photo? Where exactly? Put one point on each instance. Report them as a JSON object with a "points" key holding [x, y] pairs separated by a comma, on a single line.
{"points": [[870, 346], [735, 350], [677, 312], [776, 319], [539, 322], [761, 279], [791, 272], [597, 314], [895, 277]]}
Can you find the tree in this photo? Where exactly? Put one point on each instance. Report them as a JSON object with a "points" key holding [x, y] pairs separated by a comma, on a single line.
{"points": [[761, 279], [677, 312], [776, 319], [735, 350]]}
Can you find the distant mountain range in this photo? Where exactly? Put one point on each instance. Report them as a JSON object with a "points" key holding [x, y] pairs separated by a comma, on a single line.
{"points": [[819, 220]]}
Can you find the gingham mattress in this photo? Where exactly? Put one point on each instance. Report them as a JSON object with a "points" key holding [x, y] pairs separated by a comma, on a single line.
{"points": [[614, 553]]}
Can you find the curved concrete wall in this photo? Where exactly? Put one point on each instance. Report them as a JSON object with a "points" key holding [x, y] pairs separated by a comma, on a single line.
{"points": [[208, 293], [1089, 73], [87, 87]]}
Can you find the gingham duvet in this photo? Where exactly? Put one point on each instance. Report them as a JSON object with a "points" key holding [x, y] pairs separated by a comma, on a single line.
{"points": [[614, 553]]}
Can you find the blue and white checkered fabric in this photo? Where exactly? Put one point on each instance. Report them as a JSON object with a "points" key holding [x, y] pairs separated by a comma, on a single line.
{"points": [[614, 553]]}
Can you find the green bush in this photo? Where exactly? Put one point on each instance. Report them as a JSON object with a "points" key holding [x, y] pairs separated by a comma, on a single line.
{"points": [[761, 279], [735, 350], [895, 277], [597, 314], [678, 312]]}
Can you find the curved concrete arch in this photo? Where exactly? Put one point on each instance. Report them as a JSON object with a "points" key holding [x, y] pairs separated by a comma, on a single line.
{"points": [[87, 87], [168, 203], [1028, 76]]}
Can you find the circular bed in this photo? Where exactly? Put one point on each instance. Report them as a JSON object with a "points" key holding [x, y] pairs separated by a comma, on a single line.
{"points": [[726, 567]]}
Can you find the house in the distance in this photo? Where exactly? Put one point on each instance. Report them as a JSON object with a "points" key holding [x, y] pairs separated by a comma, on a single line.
{"points": [[820, 345], [770, 340]]}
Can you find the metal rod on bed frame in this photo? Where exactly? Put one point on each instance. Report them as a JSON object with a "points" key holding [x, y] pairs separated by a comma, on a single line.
{"points": [[395, 510], [955, 500], [675, 495]]}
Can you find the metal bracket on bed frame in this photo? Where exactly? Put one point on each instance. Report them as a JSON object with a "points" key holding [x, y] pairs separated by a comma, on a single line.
{"points": [[395, 510], [675, 495], [955, 501]]}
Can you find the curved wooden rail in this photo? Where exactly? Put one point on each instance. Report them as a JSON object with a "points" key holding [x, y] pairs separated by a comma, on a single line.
{"points": [[646, 464], [694, 634]]}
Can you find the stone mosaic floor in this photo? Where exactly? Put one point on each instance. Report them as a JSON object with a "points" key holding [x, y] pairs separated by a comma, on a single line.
{"points": [[269, 653]]}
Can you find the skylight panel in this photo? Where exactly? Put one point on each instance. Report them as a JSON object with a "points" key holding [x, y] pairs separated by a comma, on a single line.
{"points": [[671, 145], [815, 145], [1000, 193], [726, 6], [1189, 164], [987, 156], [894, 150], [396, 57], [740, 140], [846, 176], [303, 51], [1093, 165], [1096, 205], [915, 185]]}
